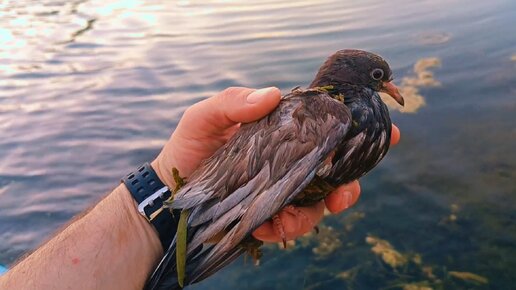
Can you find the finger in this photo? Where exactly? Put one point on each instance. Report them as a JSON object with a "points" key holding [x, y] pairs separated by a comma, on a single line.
{"points": [[231, 106], [252, 107], [395, 135], [343, 197], [294, 225], [310, 216], [265, 232]]}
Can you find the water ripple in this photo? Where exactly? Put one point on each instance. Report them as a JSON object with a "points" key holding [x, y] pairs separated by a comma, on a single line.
{"points": [[91, 88]]}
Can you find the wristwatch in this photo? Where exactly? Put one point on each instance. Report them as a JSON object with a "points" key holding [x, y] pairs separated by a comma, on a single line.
{"points": [[150, 192]]}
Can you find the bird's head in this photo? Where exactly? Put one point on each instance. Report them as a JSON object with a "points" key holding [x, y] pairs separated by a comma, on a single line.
{"points": [[360, 68]]}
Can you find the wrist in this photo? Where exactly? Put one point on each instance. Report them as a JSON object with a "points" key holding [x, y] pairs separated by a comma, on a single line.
{"points": [[143, 230], [163, 171], [150, 194]]}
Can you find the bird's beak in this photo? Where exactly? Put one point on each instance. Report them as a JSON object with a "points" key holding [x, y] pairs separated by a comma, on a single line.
{"points": [[392, 90]]}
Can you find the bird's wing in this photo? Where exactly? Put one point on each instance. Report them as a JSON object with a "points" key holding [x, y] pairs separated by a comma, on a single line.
{"points": [[260, 170]]}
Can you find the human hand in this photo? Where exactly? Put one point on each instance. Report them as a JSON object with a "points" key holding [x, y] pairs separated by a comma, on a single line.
{"points": [[207, 125]]}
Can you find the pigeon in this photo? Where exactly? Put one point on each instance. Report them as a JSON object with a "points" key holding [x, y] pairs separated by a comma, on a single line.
{"points": [[329, 134]]}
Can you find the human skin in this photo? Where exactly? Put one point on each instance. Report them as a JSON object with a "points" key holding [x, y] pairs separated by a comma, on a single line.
{"points": [[112, 246]]}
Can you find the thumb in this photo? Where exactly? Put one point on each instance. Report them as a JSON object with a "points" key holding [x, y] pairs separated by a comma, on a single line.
{"points": [[241, 105], [245, 108], [226, 109]]}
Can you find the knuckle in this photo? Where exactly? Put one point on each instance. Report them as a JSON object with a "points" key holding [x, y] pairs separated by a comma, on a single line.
{"points": [[228, 92], [226, 95], [191, 111], [230, 89]]}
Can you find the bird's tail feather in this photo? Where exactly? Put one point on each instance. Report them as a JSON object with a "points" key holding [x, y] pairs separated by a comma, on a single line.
{"points": [[204, 270], [167, 262], [164, 276]]}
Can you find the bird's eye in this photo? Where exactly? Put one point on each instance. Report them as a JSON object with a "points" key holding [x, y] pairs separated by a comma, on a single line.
{"points": [[377, 74]]}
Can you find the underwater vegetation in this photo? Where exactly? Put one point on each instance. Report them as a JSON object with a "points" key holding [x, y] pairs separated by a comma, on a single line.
{"points": [[353, 259], [422, 77]]}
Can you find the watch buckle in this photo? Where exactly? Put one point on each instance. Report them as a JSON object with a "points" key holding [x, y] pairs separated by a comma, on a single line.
{"points": [[149, 201]]}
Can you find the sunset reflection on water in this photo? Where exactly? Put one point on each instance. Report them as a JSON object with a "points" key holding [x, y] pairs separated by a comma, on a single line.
{"points": [[90, 89]]}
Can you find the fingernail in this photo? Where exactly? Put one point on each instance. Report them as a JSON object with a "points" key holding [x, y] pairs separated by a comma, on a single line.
{"points": [[347, 199], [258, 95]]}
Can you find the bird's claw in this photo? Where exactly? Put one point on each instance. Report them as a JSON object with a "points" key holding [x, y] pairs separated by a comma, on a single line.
{"points": [[252, 247], [280, 230], [299, 213]]}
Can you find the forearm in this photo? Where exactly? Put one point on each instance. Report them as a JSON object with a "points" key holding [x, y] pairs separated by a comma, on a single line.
{"points": [[111, 247]]}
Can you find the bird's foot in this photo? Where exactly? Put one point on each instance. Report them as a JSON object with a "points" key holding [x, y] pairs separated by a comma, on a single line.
{"points": [[279, 229], [252, 248], [299, 213]]}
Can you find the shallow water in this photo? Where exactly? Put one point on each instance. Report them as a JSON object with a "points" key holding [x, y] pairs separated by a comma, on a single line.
{"points": [[91, 89]]}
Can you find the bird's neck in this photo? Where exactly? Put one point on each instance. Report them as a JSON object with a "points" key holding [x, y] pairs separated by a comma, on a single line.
{"points": [[344, 92]]}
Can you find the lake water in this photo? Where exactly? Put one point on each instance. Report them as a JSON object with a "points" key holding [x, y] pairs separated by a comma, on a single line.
{"points": [[90, 89]]}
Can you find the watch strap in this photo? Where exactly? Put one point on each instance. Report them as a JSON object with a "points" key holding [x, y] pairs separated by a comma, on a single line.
{"points": [[150, 192]]}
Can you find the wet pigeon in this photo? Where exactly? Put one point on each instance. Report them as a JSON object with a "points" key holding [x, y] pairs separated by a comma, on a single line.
{"points": [[316, 139]]}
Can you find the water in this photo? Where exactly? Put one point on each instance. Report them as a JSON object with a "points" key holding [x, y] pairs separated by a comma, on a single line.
{"points": [[91, 89]]}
